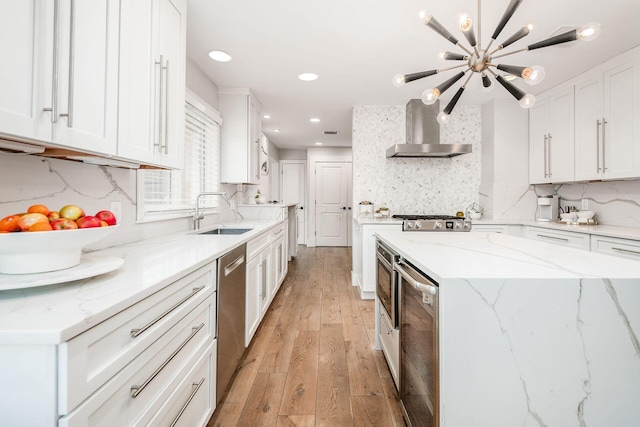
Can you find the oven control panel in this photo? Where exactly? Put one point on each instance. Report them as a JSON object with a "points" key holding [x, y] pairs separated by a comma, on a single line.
{"points": [[436, 225]]}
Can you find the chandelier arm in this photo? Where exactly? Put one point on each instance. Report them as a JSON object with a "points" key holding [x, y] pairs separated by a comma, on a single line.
{"points": [[522, 32], [442, 87], [512, 89], [569, 36], [436, 26], [508, 13], [509, 53], [461, 46], [452, 56], [511, 69], [452, 68], [420, 75]]}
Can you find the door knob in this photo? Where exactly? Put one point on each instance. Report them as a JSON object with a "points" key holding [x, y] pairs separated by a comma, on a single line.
{"points": [[301, 207], [344, 208]]}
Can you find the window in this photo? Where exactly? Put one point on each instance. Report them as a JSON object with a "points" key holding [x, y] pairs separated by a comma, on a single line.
{"points": [[171, 194]]}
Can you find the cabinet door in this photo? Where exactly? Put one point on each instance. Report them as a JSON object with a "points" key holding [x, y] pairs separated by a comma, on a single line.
{"points": [[88, 54], [538, 132], [588, 129], [151, 109], [26, 43], [560, 145], [622, 121], [254, 143], [252, 310]]}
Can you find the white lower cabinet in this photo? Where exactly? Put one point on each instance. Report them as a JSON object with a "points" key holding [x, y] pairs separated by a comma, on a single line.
{"points": [[389, 342], [266, 269], [615, 246], [576, 240]]}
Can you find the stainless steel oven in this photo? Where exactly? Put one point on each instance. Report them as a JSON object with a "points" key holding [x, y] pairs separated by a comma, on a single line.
{"points": [[387, 282], [419, 346]]}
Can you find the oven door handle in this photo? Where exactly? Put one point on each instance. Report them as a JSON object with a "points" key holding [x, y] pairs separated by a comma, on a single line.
{"points": [[422, 287], [384, 261]]}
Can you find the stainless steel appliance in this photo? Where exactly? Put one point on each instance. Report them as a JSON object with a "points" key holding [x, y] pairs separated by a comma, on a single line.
{"points": [[387, 282], [419, 392], [433, 223], [231, 310]]}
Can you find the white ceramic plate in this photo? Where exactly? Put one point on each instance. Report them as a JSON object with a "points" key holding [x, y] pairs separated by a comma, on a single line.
{"points": [[46, 251], [89, 266]]}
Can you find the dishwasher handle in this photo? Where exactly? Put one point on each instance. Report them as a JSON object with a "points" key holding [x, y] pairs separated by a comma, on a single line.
{"points": [[425, 287], [229, 268]]}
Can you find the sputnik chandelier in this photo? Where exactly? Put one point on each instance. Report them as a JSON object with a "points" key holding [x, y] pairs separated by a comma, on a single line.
{"points": [[481, 61]]}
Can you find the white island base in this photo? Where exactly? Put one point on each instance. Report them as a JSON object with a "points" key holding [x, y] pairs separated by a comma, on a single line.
{"points": [[535, 335]]}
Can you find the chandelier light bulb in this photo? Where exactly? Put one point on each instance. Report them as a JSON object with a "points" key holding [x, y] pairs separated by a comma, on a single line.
{"points": [[527, 101], [441, 55], [424, 17], [398, 80], [465, 22], [589, 31], [530, 26], [430, 96], [533, 75], [443, 118]]}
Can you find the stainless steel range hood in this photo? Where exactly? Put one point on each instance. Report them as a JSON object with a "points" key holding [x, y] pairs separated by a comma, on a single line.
{"points": [[423, 134]]}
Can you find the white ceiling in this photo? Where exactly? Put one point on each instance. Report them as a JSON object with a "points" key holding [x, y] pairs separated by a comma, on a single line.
{"points": [[356, 46]]}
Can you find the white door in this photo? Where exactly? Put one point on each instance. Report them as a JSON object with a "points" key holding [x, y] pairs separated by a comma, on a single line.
{"points": [[293, 191], [332, 203]]}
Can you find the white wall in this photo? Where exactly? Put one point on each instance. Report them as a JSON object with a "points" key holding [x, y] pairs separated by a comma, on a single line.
{"points": [[414, 185], [291, 154], [198, 82]]}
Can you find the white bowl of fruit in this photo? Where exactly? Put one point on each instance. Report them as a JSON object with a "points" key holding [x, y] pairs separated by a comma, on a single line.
{"points": [[41, 240]]}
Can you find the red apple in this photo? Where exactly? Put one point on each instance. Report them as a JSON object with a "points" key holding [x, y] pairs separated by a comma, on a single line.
{"points": [[71, 212], [53, 216], [107, 216], [63, 224], [88, 222]]}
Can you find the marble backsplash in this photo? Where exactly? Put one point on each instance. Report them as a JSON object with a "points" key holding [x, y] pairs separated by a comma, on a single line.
{"points": [[28, 180], [414, 185]]}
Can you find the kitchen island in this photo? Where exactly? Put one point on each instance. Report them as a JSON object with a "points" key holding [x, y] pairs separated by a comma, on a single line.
{"points": [[531, 334]]}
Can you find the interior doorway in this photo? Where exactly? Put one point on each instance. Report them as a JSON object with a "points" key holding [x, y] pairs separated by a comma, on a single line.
{"points": [[333, 203]]}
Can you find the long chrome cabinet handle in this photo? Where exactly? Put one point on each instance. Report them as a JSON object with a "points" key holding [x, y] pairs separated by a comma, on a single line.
{"points": [[629, 251], [164, 142], [194, 391], [158, 106], [137, 389], [136, 332], [552, 237], [423, 287], [545, 155], [604, 145], [549, 153], [598, 124], [72, 54], [233, 265], [54, 85]]}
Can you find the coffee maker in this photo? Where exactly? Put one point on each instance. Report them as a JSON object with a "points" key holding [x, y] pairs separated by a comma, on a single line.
{"points": [[547, 208]]}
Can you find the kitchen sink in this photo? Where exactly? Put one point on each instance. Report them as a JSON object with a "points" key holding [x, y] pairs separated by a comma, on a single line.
{"points": [[226, 230]]}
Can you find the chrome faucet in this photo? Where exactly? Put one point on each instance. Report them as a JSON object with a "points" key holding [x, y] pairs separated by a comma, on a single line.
{"points": [[197, 215]]}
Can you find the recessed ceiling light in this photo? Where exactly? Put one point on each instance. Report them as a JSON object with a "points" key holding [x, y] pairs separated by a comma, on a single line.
{"points": [[318, 143], [314, 120], [276, 130], [308, 77], [220, 56], [266, 116]]}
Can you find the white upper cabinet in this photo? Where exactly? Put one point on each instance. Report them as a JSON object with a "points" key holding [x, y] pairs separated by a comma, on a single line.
{"points": [[152, 81], [60, 79], [551, 138], [607, 123], [240, 136]]}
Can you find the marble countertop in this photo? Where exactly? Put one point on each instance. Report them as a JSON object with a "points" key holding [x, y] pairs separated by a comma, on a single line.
{"points": [[266, 205], [53, 314], [600, 230], [493, 255]]}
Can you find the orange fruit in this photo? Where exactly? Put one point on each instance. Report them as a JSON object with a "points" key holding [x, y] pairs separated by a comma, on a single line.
{"points": [[41, 226], [10, 223], [38, 209]]}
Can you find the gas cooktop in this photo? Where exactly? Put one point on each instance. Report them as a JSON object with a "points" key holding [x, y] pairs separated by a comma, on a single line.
{"points": [[433, 223]]}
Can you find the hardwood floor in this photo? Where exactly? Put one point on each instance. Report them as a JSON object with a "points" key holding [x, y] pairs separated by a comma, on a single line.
{"points": [[313, 361]]}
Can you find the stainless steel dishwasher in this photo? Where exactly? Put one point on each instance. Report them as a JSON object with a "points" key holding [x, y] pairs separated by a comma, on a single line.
{"points": [[231, 308]]}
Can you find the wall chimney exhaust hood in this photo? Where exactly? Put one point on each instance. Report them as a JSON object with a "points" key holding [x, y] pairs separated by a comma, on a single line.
{"points": [[423, 134]]}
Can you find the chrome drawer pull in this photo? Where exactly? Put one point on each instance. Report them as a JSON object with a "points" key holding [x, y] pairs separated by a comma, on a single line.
{"points": [[554, 238], [629, 251], [422, 287], [136, 332], [196, 387], [72, 59], [278, 232], [54, 84], [137, 389]]}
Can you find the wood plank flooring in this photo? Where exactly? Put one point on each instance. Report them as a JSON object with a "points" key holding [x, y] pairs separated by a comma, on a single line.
{"points": [[313, 361]]}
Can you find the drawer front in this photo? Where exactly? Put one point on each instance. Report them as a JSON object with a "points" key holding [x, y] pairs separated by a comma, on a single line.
{"points": [[576, 240], [390, 341], [129, 394], [257, 244], [614, 246], [193, 401], [87, 361], [277, 232], [486, 228]]}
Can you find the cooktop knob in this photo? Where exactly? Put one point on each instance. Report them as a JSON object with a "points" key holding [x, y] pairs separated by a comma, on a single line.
{"points": [[458, 224], [418, 224], [438, 224], [409, 225]]}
